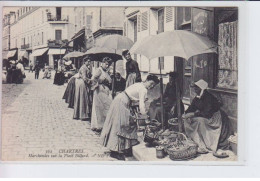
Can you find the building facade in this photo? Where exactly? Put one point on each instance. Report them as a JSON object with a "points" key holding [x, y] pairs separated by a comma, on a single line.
{"points": [[141, 22], [92, 23], [38, 33], [6, 37], [220, 71]]}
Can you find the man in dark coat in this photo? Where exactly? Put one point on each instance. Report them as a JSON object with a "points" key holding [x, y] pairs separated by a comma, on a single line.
{"points": [[119, 83], [37, 71], [132, 70]]}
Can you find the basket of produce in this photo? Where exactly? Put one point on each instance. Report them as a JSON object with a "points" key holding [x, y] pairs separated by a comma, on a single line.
{"points": [[149, 136], [166, 137], [173, 124], [150, 132], [182, 148]]}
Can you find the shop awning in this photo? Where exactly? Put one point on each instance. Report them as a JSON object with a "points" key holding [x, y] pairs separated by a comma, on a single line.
{"points": [[4, 55], [23, 53], [39, 52], [53, 51], [11, 53], [77, 35]]}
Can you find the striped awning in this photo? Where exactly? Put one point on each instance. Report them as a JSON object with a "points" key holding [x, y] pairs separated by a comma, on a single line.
{"points": [[11, 53], [54, 51], [39, 52]]}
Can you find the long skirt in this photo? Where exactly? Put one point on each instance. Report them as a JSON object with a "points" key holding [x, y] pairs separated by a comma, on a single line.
{"points": [[17, 76], [101, 104], [69, 93], [226, 131], [59, 78], [118, 134], [130, 79], [81, 102], [205, 132]]}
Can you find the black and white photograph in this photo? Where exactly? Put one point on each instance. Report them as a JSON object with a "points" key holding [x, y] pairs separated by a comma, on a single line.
{"points": [[120, 83]]}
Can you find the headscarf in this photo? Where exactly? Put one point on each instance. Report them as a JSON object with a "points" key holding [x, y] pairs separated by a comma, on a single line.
{"points": [[202, 84]]}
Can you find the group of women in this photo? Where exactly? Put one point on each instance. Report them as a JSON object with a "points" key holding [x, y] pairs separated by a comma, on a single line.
{"points": [[89, 94], [15, 72]]}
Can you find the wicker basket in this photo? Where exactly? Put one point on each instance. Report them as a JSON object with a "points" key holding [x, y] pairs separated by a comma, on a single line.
{"points": [[173, 124], [150, 132], [187, 152]]}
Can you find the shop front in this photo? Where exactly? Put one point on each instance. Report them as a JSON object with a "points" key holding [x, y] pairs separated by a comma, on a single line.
{"points": [[54, 55], [39, 56], [219, 70]]}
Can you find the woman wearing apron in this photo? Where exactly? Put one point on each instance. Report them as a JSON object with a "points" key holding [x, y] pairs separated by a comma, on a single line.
{"points": [[120, 132]]}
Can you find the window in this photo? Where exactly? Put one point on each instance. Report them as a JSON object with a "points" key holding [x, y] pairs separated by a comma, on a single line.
{"points": [[161, 20], [58, 34], [186, 14], [58, 13], [228, 68], [183, 18]]}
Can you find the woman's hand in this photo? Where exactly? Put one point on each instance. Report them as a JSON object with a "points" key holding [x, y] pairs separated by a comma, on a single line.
{"points": [[188, 115]]}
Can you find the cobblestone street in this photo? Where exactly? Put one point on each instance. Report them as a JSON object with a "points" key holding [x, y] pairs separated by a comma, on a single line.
{"points": [[38, 125]]}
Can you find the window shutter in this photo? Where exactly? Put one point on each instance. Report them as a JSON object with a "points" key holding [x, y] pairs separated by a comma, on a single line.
{"points": [[144, 21], [169, 14]]}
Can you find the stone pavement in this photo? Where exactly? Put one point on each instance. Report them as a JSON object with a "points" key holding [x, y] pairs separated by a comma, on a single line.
{"points": [[37, 125]]}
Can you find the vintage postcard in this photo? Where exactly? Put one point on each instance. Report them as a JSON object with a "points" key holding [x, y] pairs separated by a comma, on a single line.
{"points": [[122, 83]]}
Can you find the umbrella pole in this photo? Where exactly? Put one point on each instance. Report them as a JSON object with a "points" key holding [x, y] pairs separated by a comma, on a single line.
{"points": [[113, 81], [179, 107], [161, 91]]}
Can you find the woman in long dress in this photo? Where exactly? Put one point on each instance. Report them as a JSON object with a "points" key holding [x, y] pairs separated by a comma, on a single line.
{"points": [[82, 102], [203, 120], [120, 131], [69, 94], [59, 75], [101, 85]]}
